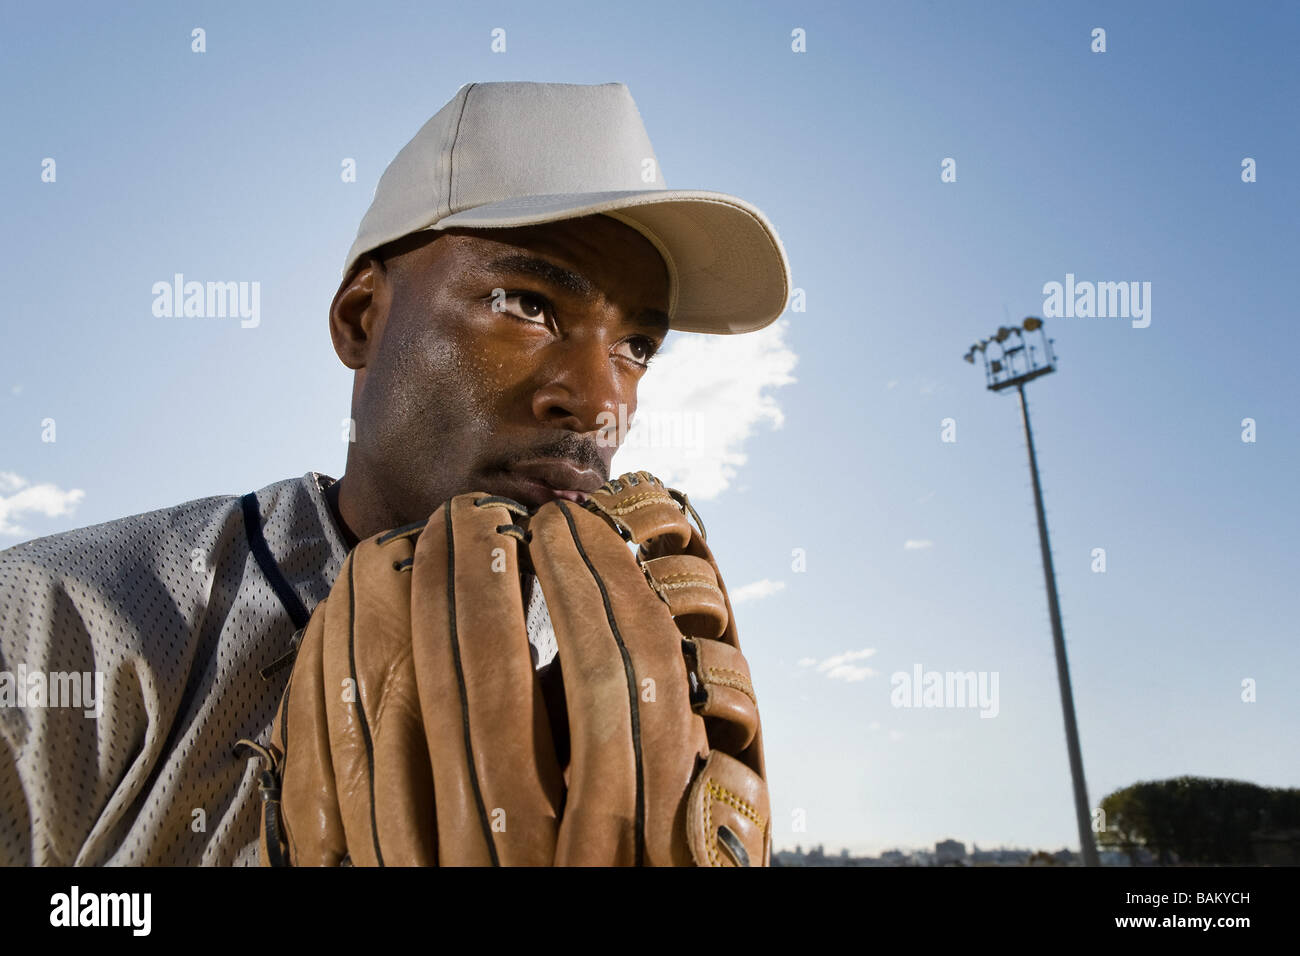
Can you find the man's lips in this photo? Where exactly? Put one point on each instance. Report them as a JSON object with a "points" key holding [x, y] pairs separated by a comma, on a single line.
{"points": [[544, 479]]}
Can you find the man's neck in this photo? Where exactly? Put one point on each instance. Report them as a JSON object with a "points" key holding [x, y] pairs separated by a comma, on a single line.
{"points": [[332, 499]]}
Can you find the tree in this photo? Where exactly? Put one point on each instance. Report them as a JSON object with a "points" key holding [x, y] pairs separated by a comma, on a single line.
{"points": [[1196, 819]]}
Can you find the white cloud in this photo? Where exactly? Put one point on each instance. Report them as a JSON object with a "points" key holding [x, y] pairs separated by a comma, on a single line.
{"points": [[18, 497], [755, 590], [844, 658], [841, 666], [703, 398], [912, 545], [849, 673]]}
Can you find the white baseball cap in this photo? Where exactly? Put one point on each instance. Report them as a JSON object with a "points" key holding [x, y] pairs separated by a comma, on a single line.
{"points": [[517, 154]]}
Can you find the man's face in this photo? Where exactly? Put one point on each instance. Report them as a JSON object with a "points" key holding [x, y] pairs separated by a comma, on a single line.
{"points": [[452, 395]]}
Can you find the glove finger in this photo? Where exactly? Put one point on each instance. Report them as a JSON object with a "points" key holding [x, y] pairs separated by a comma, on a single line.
{"points": [[751, 755], [381, 767], [497, 782], [690, 586], [638, 502], [308, 812], [722, 693], [721, 690], [634, 741], [730, 816]]}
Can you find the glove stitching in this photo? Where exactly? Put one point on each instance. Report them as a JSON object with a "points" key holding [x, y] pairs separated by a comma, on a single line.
{"points": [[710, 835], [639, 501], [719, 792], [726, 796], [688, 582], [741, 806]]}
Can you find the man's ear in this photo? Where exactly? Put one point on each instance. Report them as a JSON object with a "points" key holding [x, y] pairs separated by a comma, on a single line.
{"points": [[358, 312]]}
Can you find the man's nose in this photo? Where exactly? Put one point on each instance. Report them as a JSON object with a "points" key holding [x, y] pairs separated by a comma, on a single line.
{"points": [[582, 387]]}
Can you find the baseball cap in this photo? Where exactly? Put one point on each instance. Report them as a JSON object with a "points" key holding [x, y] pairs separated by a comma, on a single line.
{"points": [[510, 154]]}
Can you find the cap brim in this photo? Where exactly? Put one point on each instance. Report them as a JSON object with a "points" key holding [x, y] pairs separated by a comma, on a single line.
{"points": [[727, 270]]}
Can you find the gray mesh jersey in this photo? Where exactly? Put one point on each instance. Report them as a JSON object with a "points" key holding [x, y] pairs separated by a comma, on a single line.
{"points": [[174, 610]]}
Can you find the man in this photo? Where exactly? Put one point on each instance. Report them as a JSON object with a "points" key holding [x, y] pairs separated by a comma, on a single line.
{"points": [[521, 263]]}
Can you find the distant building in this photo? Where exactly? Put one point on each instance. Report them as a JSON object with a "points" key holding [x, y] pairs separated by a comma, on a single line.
{"points": [[950, 853]]}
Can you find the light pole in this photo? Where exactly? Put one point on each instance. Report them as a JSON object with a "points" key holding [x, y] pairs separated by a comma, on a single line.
{"points": [[1014, 366]]}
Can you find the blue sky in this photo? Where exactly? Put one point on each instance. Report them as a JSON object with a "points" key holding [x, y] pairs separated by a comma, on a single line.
{"points": [[1115, 166]]}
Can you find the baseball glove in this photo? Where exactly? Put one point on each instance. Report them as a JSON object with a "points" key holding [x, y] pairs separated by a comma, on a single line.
{"points": [[414, 729]]}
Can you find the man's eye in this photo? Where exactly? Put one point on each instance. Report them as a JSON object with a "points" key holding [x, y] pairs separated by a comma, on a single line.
{"points": [[642, 348], [523, 305]]}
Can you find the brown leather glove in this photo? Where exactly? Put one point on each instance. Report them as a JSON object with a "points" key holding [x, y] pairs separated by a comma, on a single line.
{"points": [[414, 729]]}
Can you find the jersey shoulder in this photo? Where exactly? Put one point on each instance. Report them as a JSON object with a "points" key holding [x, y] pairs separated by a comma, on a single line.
{"points": [[104, 577], [108, 553]]}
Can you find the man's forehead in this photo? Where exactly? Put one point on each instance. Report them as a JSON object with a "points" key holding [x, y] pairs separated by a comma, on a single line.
{"points": [[594, 239], [577, 259]]}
